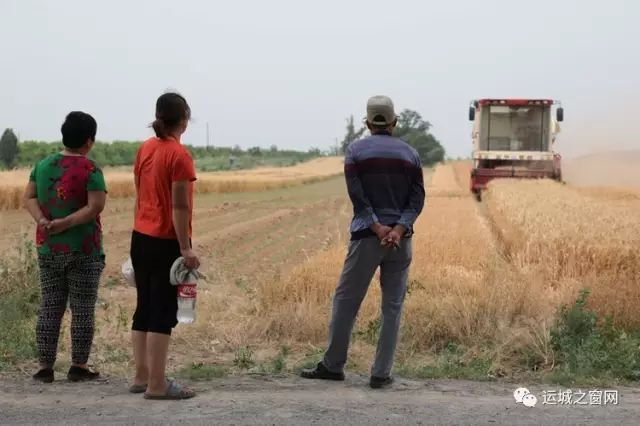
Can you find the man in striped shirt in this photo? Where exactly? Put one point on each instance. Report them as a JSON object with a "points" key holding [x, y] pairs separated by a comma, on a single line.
{"points": [[385, 184]]}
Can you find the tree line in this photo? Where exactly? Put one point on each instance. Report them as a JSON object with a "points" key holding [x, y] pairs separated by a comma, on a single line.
{"points": [[123, 153], [411, 128]]}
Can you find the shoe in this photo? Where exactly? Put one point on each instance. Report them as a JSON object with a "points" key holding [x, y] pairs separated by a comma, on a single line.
{"points": [[174, 392], [77, 374], [380, 382], [321, 372], [45, 375]]}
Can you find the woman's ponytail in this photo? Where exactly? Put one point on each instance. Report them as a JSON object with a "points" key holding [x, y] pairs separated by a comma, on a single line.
{"points": [[159, 128]]}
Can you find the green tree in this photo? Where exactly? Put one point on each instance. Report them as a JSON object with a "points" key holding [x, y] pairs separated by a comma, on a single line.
{"points": [[352, 134], [9, 148], [414, 130], [411, 121], [255, 151]]}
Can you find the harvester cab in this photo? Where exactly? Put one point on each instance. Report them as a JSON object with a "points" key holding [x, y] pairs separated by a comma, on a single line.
{"points": [[514, 138]]}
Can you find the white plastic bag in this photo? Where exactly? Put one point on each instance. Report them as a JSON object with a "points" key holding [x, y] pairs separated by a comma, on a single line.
{"points": [[128, 273]]}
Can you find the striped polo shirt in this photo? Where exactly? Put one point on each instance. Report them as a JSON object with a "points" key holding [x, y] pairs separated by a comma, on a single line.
{"points": [[385, 183]]}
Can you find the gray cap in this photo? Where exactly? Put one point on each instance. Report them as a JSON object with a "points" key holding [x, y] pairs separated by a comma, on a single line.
{"points": [[380, 111]]}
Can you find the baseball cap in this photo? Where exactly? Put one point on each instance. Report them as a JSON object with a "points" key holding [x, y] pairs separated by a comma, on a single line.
{"points": [[380, 111]]}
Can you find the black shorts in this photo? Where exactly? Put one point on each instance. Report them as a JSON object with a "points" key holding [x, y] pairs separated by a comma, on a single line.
{"points": [[157, 307]]}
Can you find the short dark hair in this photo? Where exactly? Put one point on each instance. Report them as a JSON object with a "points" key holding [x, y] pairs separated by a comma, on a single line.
{"points": [[379, 128], [171, 109], [78, 126]]}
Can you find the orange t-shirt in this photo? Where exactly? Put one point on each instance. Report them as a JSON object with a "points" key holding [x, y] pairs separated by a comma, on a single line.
{"points": [[159, 163]]}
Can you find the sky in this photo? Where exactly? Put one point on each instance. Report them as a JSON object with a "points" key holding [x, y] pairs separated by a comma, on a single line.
{"points": [[289, 72]]}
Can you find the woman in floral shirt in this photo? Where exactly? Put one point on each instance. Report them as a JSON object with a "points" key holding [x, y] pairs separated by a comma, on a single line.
{"points": [[65, 196]]}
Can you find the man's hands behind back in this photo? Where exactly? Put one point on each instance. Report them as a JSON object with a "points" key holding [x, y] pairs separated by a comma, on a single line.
{"points": [[389, 237], [381, 230], [394, 236]]}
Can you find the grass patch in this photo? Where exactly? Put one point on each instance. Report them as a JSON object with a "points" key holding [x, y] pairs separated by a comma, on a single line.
{"points": [[112, 282], [243, 284], [277, 364], [17, 332], [244, 358], [311, 358], [116, 354], [452, 362], [201, 371], [371, 332], [19, 300], [591, 351]]}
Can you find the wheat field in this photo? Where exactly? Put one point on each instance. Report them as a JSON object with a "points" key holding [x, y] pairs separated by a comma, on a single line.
{"points": [[120, 181], [487, 276]]}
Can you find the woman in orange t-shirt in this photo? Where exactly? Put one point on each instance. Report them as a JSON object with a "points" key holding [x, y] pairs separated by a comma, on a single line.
{"points": [[164, 176]]}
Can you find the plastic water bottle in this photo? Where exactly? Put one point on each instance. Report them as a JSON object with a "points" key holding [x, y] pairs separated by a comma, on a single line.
{"points": [[128, 273], [187, 292]]}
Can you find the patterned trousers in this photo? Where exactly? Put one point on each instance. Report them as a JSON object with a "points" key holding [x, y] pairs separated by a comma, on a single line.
{"points": [[74, 277]]}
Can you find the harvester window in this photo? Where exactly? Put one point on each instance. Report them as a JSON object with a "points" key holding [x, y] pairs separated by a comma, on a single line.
{"points": [[515, 128]]}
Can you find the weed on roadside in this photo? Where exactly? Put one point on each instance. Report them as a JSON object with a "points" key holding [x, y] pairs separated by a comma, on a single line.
{"points": [[201, 371], [277, 364], [244, 358], [452, 362], [19, 299], [311, 358], [591, 350], [371, 332]]}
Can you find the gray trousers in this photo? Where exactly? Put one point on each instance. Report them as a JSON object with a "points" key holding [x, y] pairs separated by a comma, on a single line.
{"points": [[363, 258]]}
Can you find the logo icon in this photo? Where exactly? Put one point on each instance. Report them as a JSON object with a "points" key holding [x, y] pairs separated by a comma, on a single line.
{"points": [[519, 393], [529, 400], [524, 397], [187, 291]]}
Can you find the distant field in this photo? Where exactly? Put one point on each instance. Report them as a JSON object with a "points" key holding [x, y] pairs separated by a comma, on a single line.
{"points": [[120, 180]]}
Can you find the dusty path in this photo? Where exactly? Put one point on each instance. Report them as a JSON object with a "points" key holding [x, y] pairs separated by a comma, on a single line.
{"points": [[294, 401]]}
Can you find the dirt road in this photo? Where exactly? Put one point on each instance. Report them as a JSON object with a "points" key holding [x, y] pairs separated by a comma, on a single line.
{"points": [[294, 401]]}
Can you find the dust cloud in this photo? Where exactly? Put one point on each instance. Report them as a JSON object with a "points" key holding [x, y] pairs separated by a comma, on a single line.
{"points": [[604, 169]]}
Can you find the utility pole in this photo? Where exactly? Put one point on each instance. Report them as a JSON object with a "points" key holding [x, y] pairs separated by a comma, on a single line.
{"points": [[207, 136]]}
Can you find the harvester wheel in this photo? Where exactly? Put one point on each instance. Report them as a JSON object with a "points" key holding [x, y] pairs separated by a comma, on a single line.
{"points": [[558, 177], [478, 195]]}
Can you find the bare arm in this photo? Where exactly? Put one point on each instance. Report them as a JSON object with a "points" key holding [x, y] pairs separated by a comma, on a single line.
{"points": [[30, 202], [95, 204], [181, 212], [180, 204]]}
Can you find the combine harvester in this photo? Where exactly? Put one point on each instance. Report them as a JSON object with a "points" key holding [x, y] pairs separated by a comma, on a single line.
{"points": [[514, 138]]}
